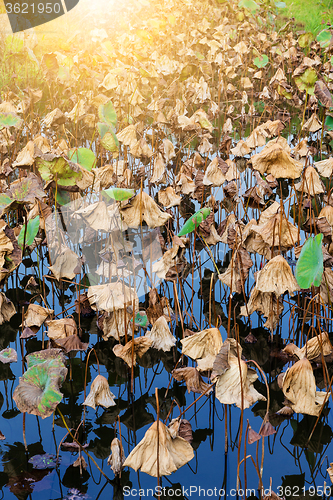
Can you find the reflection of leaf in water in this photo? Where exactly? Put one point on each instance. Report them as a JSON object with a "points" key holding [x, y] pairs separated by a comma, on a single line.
{"points": [[12, 413], [75, 386], [100, 446], [199, 436], [322, 434], [293, 481], [44, 461], [109, 416], [72, 478], [137, 415], [168, 492], [6, 372]]}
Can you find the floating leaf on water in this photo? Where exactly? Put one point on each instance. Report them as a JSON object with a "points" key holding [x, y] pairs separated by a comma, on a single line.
{"points": [[45, 461], [194, 221], [83, 156], [29, 232], [173, 453]]}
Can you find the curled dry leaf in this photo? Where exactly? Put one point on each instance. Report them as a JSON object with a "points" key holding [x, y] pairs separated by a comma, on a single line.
{"points": [[238, 270], [275, 160], [299, 387], [140, 345], [111, 296], [310, 183], [235, 385], [267, 304], [117, 457], [277, 277], [215, 174], [182, 428], [7, 309], [71, 343], [192, 378], [317, 346], [168, 197], [99, 394], [161, 336], [61, 328], [173, 452], [143, 208], [203, 347], [36, 315], [66, 265]]}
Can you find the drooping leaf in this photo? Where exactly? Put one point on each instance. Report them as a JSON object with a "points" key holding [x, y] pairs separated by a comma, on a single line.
{"points": [[59, 169], [83, 156], [310, 267], [107, 114], [194, 221], [30, 231], [323, 94], [118, 194]]}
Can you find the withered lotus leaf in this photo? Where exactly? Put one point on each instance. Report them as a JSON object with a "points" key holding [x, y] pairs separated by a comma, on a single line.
{"points": [[182, 428], [66, 265], [238, 270], [235, 386], [203, 347], [325, 167], [317, 346], [38, 390], [277, 277], [141, 345], [265, 303], [8, 355], [111, 296], [36, 315], [310, 183], [330, 472], [143, 208], [276, 161], [161, 335], [117, 457], [278, 231], [192, 378], [7, 309], [215, 173], [168, 197], [71, 343], [61, 328], [322, 93], [299, 387], [99, 394], [173, 452]]}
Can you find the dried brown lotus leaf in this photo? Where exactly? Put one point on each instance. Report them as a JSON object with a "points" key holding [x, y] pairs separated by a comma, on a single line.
{"points": [[66, 265], [144, 208], [312, 124], [326, 286], [111, 296], [7, 309], [317, 346], [173, 452], [310, 183], [26, 157], [184, 184], [161, 335], [215, 173], [36, 315], [301, 149], [330, 472], [117, 457], [116, 324], [71, 343], [275, 160], [192, 378], [128, 136], [266, 304], [277, 277], [141, 149], [213, 237], [278, 231], [99, 394], [221, 363], [233, 387], [267, 430], [140, 345], [327, 212], [96, 216], [80, 462], [252, 436], [158, 170], [299, 387], [238, 270], [203, 347], [285, 411], [168, 197], [325, 167], [61, 328], [241, 149], [54, 118], [162, 266], [322, 93], [279, 77]]}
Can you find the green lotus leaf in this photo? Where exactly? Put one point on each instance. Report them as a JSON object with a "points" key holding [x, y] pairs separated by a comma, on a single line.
{"points": [[110, 142], [141, 319], [306, 81], [310, 265], [107, 114], [324, 38], [30, 231], [194, 221], [83, 156], [8, 120], [250, 5], [261, 61], [328, 125], [59, 169], [118, 194], [38, 390]]}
